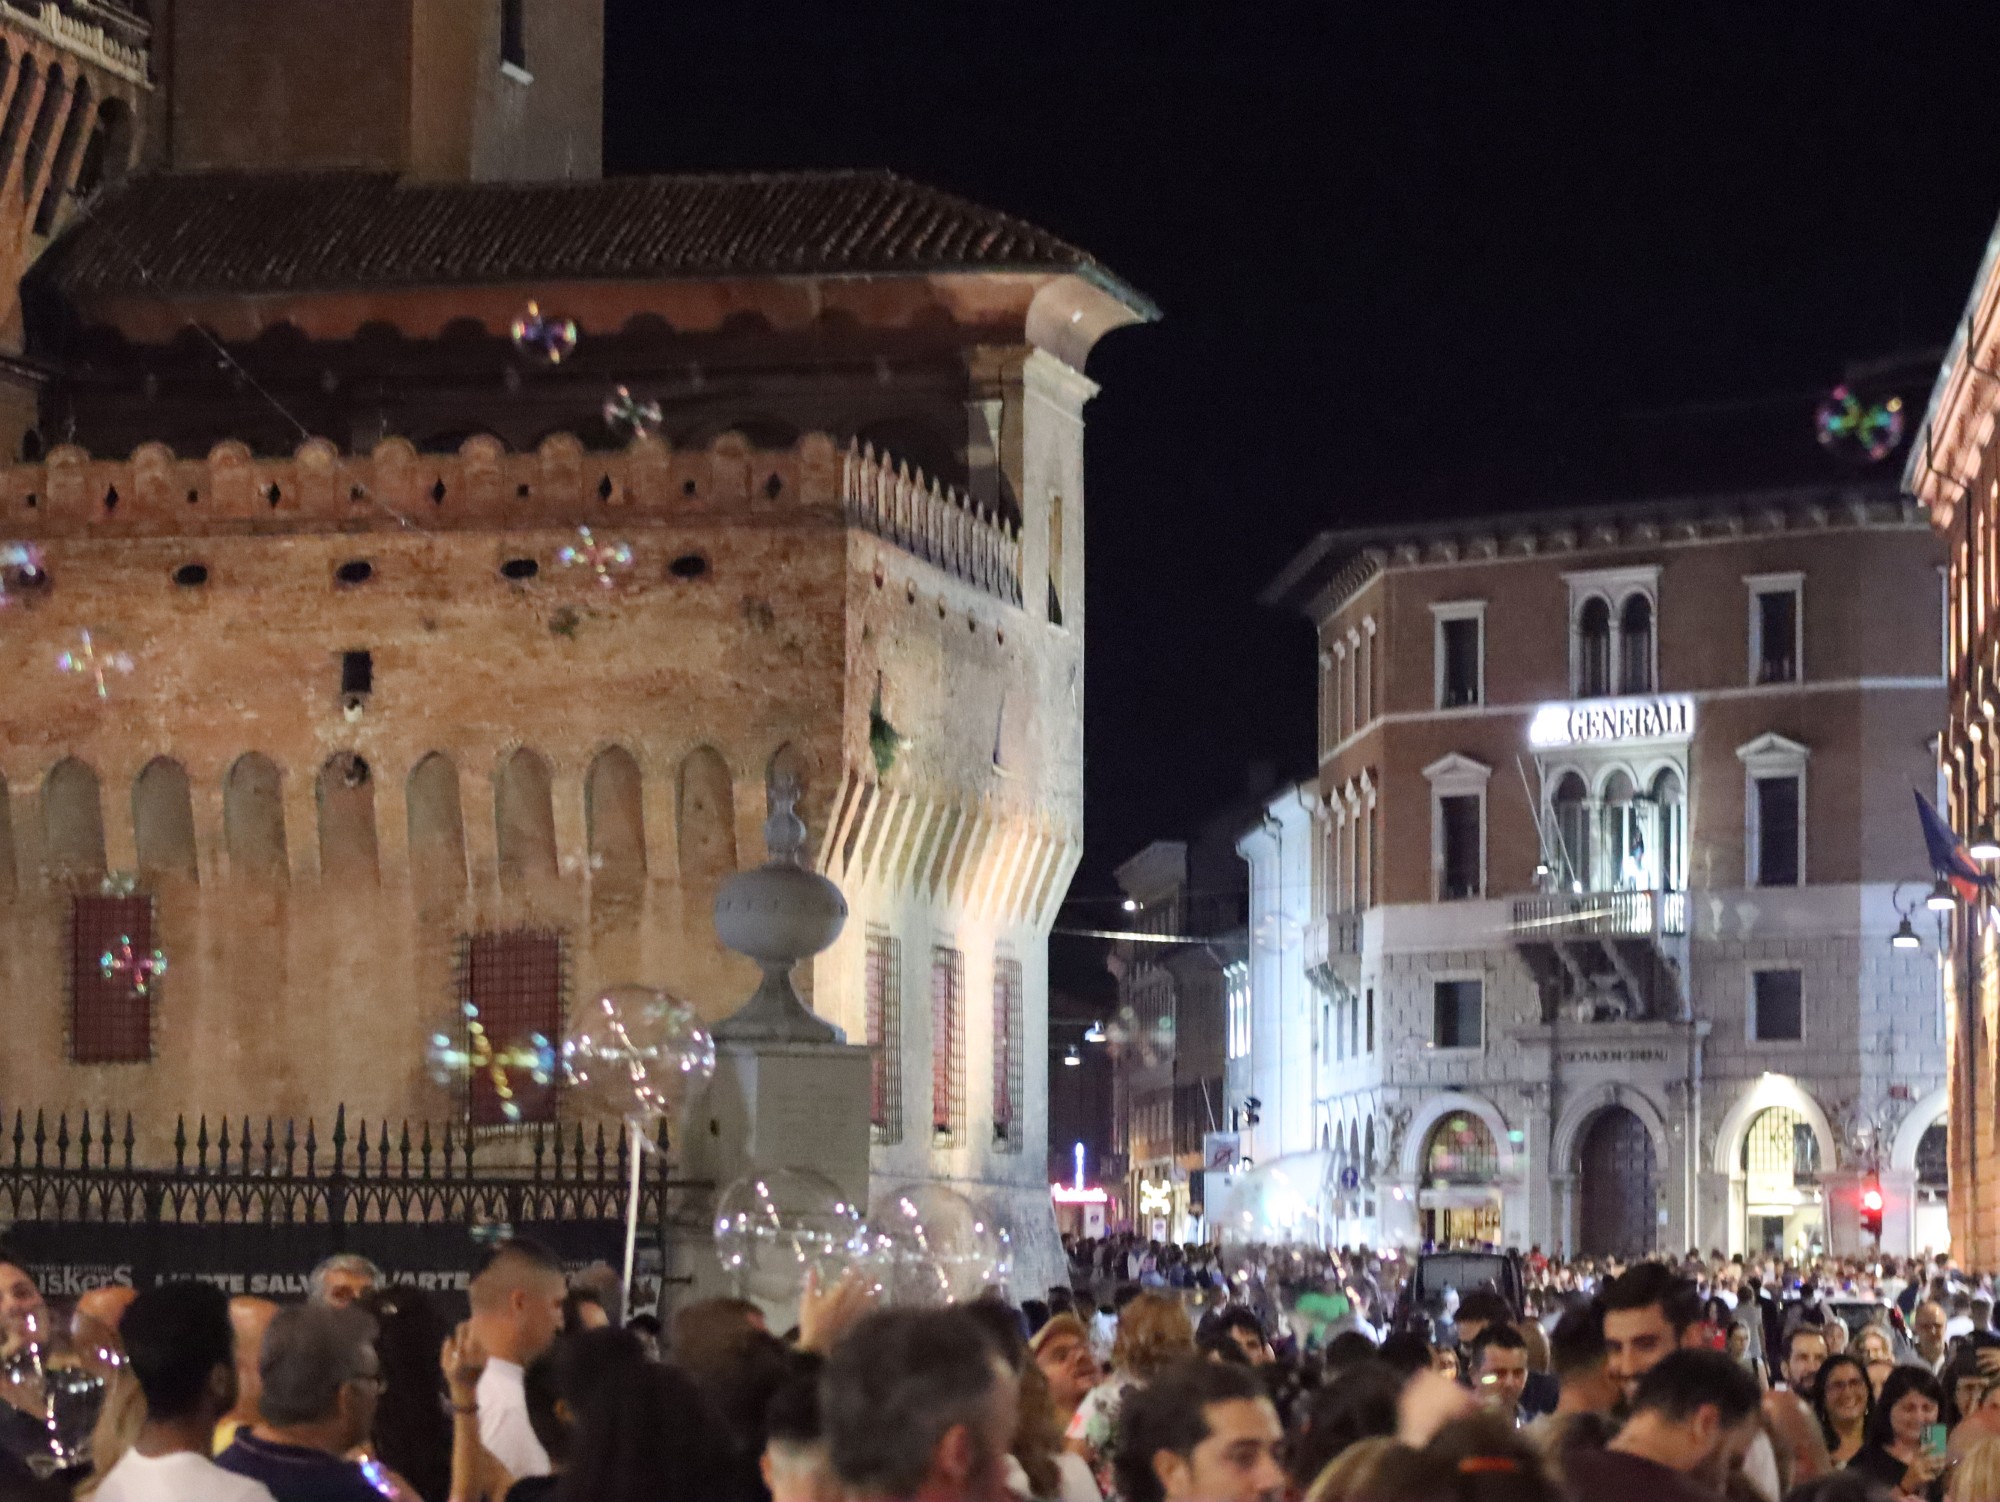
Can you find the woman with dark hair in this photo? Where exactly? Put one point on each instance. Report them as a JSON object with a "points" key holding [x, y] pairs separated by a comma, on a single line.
{"points": [[1843, 1400], [1900, 1451], [412, 1430], [1355, 1404], [649, 1437]]}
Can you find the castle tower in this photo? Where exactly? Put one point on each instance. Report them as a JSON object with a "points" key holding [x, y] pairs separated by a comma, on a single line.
{"points": [[430, 90], [397, 736]]}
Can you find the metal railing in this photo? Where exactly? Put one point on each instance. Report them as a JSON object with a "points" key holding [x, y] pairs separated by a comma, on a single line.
{"points": [[1601, 915], [93, 1175]]}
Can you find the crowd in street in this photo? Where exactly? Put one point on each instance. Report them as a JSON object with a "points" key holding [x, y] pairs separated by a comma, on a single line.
{"points": [[1192, 1374]]}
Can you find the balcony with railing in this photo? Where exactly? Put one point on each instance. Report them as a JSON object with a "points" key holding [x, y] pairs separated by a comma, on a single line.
{"points": [[1606, 956], [935, 522]]}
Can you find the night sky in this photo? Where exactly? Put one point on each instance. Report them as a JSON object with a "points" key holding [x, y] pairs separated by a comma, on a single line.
{"points": [[1413, 259]]}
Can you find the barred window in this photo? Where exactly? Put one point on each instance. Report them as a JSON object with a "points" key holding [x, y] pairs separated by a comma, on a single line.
{"points": [[1007, 1021], [947, 1047], [885, 1035], [513, 983], [110, 1016]]}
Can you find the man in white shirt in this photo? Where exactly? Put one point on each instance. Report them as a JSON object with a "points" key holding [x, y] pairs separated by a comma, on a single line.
{"points": [[517, 1300], [179, 1344]]}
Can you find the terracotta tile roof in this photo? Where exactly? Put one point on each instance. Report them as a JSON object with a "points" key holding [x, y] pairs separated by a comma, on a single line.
{"points": [[191, 233]]}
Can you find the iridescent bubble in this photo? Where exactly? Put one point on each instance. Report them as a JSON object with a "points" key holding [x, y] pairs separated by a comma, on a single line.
{"points": [[1843, 420], [1133, 1035], [542, 336], [637, 1054], [20, 570], [930, 1245], [624, 412], [771, 1229], [601, 558], [139, 968], [510, 1069], [92, 664]]}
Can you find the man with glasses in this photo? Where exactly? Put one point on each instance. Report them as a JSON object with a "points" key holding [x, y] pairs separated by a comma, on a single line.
{"points": [[321, 1383]]}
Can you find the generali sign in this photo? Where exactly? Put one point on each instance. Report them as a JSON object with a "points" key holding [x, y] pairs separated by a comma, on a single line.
{"points": [[1611, 722]]}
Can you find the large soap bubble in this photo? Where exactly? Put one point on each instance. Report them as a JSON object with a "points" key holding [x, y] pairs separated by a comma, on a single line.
{"points": [[638, 1054], [771, 1229], [929, 1245]]}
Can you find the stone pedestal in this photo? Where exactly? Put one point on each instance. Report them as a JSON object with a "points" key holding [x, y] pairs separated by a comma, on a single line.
{"points": [[771, 1106], [787, 1091]]}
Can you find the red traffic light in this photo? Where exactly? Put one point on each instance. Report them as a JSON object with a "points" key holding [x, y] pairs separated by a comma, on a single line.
{"points": [[1871, 1199]]}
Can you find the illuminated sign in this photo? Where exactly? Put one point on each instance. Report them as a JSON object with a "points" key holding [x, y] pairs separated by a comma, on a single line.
{"points": [[1611, 722], [1064, 1194], [1155, 1198]]}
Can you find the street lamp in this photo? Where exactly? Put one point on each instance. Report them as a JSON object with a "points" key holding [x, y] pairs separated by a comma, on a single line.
{"points": [[1905, 937], [1073, 1059], [1984, 846], [1942, 899], [1094, 1033]]}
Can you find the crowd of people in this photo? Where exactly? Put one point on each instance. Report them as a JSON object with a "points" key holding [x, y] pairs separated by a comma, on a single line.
{"points": [[1269, 1374]]}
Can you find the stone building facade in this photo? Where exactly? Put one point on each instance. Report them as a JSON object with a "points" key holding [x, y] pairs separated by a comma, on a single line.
{"points": [[382, 730], [1614, 827], [1954, 471]]}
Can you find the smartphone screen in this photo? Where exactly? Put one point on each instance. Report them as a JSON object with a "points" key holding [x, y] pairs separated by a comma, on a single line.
{"points": [[1934, 1438]]}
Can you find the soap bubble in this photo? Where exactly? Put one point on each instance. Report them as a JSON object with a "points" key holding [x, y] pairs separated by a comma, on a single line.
{"points": [[544, 338], [604, 559], [1132, 1036], [928, 1245], [623, 410], [49, 1379], [471, 1056], [771, 1229], [637, 1054]]}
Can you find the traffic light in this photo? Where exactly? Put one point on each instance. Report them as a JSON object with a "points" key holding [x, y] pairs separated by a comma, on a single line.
{"points": [[1871, 1209]]}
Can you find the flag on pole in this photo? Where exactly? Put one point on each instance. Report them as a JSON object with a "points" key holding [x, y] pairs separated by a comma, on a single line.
{"points": [[1949, 858]]}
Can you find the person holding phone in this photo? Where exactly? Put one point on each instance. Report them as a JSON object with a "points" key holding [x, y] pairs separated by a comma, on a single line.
{"points": [[1906, 1443]]}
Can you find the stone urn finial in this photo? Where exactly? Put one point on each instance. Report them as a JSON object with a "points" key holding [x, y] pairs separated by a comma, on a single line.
{"points": [[779, 914]]}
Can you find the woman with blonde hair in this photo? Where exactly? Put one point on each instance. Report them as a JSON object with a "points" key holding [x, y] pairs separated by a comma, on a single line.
{"points": [[1153, 1333]]}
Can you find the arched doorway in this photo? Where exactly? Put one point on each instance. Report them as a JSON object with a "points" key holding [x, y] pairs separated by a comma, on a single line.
{"points": [[1782, 1203], [1619, 1186], [1460, 1195]]}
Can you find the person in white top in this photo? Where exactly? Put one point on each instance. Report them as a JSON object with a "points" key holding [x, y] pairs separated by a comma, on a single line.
{"points": [[517, 1300], [179, 1344]]}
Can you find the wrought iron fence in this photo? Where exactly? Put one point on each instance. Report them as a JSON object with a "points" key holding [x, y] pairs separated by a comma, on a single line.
{"points": [[352, 1177]]}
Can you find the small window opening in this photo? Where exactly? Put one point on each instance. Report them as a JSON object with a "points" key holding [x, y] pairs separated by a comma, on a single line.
{"points": [[513, 34], [437, 493], [604, 488], [355, 571], [273, 495], [191, 575], [110, 500], [688, 566], [357, 674], [774, 487], [519, 568]]}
